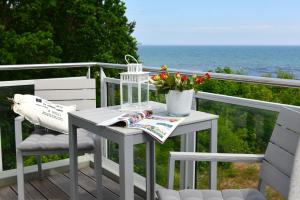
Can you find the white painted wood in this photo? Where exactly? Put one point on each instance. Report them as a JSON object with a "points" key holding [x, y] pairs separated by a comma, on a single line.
{"points": [[73, 160], [171, 172], [294, 192], [214, 149], [286, 139], [74, 94], [150, 171], [216, 157], [126, 169], [103, 98], [64, 83], [98, 167], [275, 178], [19, 157], [39, 164], [16, 83], [289, 119], [279, 158]]}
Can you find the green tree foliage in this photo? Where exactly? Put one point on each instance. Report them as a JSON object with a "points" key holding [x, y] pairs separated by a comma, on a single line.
{"points": [[52, 31], [63, 31]]}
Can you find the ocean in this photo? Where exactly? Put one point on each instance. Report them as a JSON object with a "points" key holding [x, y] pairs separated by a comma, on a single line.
{"points": [[250, 60]]}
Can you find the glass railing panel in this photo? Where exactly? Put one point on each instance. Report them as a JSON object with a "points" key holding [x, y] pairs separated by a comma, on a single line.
{"points": [[241, 129]]}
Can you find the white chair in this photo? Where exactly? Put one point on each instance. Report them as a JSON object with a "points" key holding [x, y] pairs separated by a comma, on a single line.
{"points": [[78, 91], [276, 165]]}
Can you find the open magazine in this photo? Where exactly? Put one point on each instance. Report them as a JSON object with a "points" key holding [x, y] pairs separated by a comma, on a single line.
{"points": [[159, 127]]}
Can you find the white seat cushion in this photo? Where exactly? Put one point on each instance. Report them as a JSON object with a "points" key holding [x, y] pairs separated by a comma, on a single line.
{"points": [[235, 194], [41, 140]]}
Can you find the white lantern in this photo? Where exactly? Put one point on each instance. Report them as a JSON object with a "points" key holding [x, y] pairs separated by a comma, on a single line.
{"points": [[134, 87]]}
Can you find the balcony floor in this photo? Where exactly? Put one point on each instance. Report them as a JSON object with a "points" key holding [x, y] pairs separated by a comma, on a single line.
{"points": [[58, 187]]}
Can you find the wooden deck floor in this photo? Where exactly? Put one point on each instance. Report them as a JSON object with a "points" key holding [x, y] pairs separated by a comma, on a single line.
{"points": [[58, 187]]}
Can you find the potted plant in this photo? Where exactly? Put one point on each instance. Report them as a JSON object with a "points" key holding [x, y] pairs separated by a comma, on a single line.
{"points": [[179, 90]]}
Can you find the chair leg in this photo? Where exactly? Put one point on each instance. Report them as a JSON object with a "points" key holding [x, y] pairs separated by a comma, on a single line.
{"points": [[39, 164], [98, 167], [20, 175]]}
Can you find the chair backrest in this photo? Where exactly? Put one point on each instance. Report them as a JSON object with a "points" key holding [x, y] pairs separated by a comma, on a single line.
{"points": [[78, 91], [277, 166]]}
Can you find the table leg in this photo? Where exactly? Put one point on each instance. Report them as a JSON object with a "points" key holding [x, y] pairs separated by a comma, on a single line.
{"points": [[98, 166], [213, 149], [73, 161], [150, 170], [126, 168], [187, 168]]}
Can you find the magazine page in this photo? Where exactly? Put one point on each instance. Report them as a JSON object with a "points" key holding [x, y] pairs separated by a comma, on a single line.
{"points": [[126, 119], [159, 127]]}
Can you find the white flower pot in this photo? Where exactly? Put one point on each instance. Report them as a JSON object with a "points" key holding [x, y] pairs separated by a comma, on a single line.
{"points": [[179, 103]]}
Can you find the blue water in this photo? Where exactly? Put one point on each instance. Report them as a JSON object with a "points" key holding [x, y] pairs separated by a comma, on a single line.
{"points": [[250, 60]]}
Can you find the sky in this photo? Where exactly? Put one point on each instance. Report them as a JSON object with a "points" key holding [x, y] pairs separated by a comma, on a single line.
{"points": [[215, 22]]}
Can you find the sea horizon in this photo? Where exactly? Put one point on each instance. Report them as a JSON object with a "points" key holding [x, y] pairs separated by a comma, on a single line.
{"points": [[257, 60]]}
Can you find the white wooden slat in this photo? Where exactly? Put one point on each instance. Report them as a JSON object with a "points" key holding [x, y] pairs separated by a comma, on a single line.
{"points": [[275, 178], [64, 83], [80, 104], [280, 159], [51, 95], [289, 119], [284, 138]]}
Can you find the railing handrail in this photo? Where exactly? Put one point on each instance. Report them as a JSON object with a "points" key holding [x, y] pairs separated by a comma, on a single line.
{"points": [[218, 76]]}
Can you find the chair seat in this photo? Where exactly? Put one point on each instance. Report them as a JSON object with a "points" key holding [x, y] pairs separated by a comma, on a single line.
{"points": [[41, 140], [231, 194]]}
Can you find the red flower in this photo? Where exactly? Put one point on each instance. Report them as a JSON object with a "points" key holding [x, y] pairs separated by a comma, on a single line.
{"points": [[163, 75], [164, 67], [177, 74], [183, 78], [199, 80], [155, 77], [207, 76]]}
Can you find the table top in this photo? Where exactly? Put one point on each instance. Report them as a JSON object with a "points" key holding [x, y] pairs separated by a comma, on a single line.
{"points": [[97, 115]]}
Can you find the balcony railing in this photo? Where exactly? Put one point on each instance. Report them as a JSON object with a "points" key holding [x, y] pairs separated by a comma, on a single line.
{"points": [[188, 142]]}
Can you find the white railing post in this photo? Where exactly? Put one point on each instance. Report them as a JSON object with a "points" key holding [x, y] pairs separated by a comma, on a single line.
{"points": [[103, 95], [1, 163], [88, 74]]}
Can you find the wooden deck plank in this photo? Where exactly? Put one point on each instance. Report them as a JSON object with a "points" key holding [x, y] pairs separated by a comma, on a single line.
{"points": [[64, 184], [108, 183], [30, 192], [89, 184], [58, 187], [6, 193], [49, 190]]}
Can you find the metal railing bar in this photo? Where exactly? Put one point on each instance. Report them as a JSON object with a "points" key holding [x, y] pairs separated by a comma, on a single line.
{"points": [[252, 103], [47, 66], [218, 76]]}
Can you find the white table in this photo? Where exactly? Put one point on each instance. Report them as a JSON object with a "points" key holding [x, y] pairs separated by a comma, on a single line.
{"points": [[127, 138]]}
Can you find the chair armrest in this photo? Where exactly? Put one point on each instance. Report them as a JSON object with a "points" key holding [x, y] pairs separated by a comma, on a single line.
{"points": [[212, 157], [216, 157], [18, 129]]}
